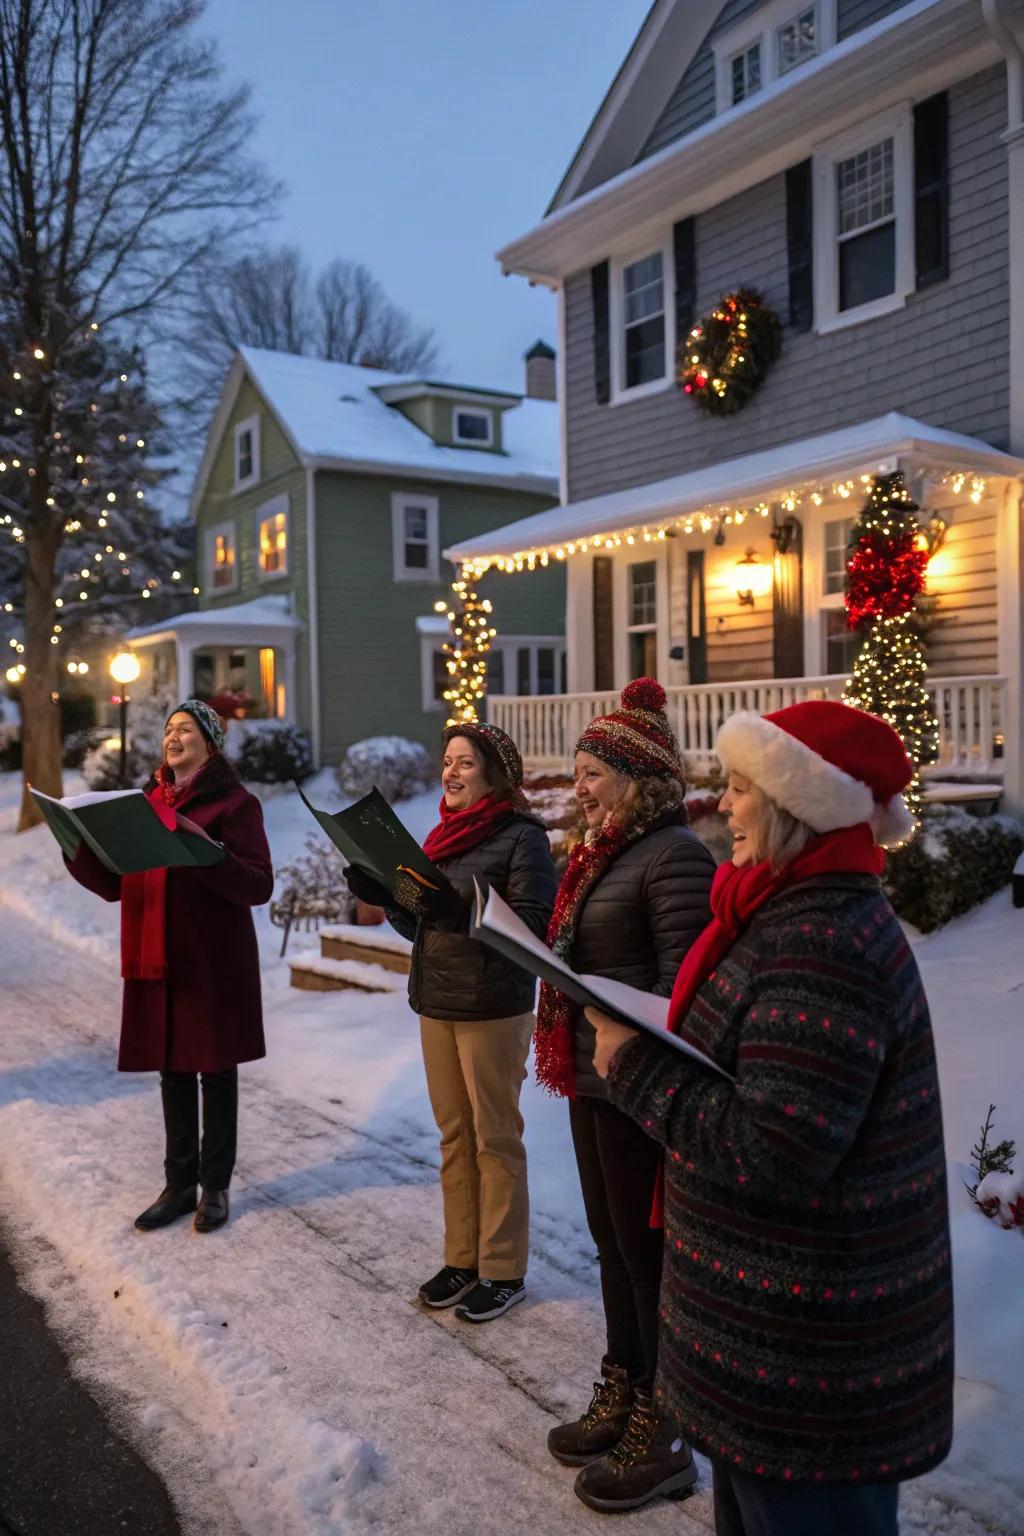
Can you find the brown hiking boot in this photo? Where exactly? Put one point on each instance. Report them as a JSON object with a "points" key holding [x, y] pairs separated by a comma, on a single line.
{"points": [[649, 1462], [601, 1426]]}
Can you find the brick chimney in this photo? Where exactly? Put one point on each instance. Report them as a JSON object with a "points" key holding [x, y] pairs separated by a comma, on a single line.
{"points": [[540, 372]]}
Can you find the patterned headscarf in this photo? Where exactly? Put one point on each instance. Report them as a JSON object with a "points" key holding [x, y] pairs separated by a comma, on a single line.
{"points": [[636, 739], [206, 718], [495, 745]]}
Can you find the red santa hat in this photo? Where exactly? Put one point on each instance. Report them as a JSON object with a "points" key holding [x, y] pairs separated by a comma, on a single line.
{"points": [[825, 763]]}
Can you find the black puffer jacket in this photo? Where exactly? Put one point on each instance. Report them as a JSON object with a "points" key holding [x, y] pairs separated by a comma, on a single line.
{"points": [[638, 922], [456, 977]]}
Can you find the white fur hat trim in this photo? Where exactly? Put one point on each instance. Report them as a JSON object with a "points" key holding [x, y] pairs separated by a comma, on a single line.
{"points": [[794, 776], [892, 823]]}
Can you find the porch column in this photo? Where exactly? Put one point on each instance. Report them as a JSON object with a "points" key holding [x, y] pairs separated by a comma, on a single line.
{"points": [[183, 649], [1010, 585], [287, 654]]}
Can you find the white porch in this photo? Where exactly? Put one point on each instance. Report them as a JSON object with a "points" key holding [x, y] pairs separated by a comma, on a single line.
{"points": [[248, 647]]}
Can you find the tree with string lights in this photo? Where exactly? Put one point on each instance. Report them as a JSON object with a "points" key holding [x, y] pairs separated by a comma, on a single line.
{"points": [[469, 619], [126, 178], [885, 579]]}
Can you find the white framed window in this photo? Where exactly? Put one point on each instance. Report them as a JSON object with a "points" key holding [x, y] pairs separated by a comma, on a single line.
{"points": [[770, 45], [414, 532], [527, 665], [472, 427], [840, 643], [864, 222], [247, 453], [435, 678], [272, 538], [836, 542], [642, 325], [642, 618], [222, 558]]}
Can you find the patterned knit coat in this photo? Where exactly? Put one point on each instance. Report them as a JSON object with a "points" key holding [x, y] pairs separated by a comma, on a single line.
{"points": [[807, 1311]]}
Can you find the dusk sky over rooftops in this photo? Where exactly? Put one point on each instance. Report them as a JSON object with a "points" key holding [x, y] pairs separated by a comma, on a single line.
{"points": [[418, 136]]}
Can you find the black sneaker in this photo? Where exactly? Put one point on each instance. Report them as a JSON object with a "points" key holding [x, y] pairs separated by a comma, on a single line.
{"points": [[490, 1298], [447, 1287]]}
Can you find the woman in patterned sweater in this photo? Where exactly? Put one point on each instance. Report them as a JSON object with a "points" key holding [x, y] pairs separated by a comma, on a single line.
{"points": [[807, 1316]]}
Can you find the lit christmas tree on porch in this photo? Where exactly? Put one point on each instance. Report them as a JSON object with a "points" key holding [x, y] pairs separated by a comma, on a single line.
{"points": [[469, 617], [885, 576]]}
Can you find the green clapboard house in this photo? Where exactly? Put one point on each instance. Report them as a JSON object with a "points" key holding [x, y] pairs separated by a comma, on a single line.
{"points": [[325, 497]]}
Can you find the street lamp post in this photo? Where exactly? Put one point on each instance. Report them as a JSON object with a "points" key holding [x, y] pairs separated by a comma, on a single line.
{"points": [[124, 669]]}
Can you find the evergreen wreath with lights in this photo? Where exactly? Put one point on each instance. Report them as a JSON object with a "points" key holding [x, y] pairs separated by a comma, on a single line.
{"points": [[726, 357]]}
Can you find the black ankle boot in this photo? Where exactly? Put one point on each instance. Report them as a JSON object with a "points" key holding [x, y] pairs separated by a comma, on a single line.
{"points": [[649, 1462], [167, 1208], [603, 1424], [213, 1210]]}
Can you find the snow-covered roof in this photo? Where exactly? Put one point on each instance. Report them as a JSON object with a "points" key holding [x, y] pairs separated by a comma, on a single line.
{"points": [[271, 615], [334, 418], [870, 445]]}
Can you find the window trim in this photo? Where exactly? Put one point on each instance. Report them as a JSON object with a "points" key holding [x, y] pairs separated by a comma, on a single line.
{"points": [[898, 124], [763, 26], [431, 572], [472, 442], [616, 308], [251, 424], [230, 528], [268, 510], [826, 598]]}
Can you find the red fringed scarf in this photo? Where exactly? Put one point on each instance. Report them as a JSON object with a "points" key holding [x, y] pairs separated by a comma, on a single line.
{"points": [[144, 896], [458, 831], [553, 1039]]}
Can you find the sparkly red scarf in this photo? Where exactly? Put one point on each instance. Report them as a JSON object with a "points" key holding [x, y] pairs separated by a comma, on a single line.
{"points": [[553, 1039], [458, 831]]}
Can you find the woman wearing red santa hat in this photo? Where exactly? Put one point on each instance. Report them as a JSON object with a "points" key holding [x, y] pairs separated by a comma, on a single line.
{"points": [[807, 1316]]}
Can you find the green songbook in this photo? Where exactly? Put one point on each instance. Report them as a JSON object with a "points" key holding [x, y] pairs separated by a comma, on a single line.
{"points": [[370, 834], [123, 831]]}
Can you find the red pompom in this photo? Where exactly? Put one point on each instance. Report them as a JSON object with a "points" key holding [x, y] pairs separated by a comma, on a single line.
{"points": [[643, 693]]}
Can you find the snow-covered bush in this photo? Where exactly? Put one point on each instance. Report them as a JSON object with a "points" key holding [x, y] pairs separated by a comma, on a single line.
{"points": [[314, 884], [399, 768], [270, 752], [146, 720], [10, 746], [78, 743], [955, 862], [998, 1190]]}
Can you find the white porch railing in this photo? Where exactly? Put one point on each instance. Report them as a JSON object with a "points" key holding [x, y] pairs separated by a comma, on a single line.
{"points": [[969, 710]]}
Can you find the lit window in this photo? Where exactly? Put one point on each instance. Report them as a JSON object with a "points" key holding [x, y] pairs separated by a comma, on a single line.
{"points": [[274, 544], [865, 199], [796, 40], [745, 70], [643, 307], [476, 427], [222, 559], [837, 539]]}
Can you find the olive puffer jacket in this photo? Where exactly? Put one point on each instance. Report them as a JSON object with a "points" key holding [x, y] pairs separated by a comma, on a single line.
{"points": [[638, 922], [456, 977]]}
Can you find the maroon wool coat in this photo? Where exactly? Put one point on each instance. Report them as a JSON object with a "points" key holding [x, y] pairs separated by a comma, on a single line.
{"points": [[207, 1014]]}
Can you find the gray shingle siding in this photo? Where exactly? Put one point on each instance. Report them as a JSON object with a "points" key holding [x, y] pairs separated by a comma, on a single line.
{"points": [[693, 100], [943, 358]]}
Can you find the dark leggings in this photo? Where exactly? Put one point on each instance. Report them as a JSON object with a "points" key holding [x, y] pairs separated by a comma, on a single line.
{"points": [[619, 1168], [188, 1160], [762, 1506]]}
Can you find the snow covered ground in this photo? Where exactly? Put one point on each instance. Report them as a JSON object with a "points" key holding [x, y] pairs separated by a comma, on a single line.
{"points": [[279, 1374]]}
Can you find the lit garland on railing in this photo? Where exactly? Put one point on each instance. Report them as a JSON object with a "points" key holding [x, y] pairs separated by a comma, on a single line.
{"points": [[810, 493], [466, 652]]}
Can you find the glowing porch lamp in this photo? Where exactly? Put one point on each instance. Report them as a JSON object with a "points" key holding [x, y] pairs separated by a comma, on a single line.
{"points": [[124, 669], [753, 579]]}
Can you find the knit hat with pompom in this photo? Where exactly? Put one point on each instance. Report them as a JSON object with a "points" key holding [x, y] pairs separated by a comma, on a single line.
{"points": [[636, 739]]}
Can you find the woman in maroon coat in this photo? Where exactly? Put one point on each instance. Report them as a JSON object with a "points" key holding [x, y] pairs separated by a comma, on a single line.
{"points": [[190, 964]]}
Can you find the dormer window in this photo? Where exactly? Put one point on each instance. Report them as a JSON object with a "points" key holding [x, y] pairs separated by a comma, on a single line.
{"points": [[769, 45], [746, 73], [796, 40], [247, 453], [474, 428]]}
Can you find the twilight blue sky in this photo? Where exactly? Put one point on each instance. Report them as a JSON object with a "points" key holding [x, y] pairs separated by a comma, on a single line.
{"points": [[420, 135]]}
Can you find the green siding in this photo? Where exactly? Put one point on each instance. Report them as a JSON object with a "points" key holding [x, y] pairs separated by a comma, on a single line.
{"points": [[369, 646]]}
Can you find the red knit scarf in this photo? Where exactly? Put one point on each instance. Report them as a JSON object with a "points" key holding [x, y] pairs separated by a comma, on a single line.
{"points": [[553, 1040], [144, 906], [458, 831]]}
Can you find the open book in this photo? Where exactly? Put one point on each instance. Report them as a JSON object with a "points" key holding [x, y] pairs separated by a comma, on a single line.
{"points": [[123, 831], [495, 924], [370, 834]]}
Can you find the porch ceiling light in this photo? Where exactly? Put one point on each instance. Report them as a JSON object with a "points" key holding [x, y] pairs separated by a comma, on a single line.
{"points": [[753, 579]]}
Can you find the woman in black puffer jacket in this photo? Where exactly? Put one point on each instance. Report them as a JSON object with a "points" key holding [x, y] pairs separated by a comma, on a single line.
{"points": [[634, 898], [476, 1014]]}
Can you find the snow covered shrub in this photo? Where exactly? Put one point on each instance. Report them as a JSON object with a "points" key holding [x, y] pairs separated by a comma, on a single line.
{"points": [[998, 1190], [954, 862], [270, 752], [314, 884], [10, 746], [399, 768], [78, 743], [147, 717]]}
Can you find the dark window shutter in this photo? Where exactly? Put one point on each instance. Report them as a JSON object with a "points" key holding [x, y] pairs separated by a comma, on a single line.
{"points": [[931, 189], [604, 630], [800, 243], [602, 333], [684, 243]]}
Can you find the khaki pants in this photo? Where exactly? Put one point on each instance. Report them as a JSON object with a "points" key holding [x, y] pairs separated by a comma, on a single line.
{"points": [[475, 1070]]}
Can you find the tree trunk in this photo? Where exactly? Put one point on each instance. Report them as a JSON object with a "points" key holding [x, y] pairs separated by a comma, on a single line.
{"points": [[40, 716]]}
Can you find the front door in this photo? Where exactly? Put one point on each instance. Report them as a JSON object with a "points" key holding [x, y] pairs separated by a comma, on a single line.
{"points": [[696, 617], [788, 601]]}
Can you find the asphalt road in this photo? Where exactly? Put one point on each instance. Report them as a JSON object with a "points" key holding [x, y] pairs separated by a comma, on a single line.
{"points": [[64, 1470]]}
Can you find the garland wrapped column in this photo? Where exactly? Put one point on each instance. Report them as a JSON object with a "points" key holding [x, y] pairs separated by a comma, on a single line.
{"points": [[469, 618], [885, 575]]}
